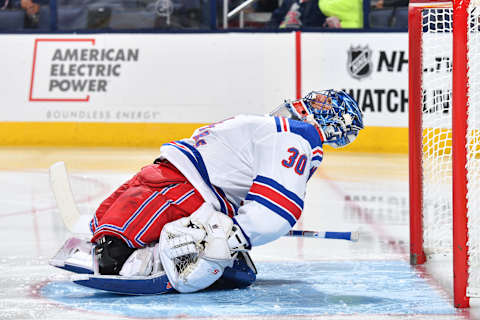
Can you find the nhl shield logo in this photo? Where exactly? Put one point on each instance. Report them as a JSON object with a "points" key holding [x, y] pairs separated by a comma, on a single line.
{"points": [[359, 63]]}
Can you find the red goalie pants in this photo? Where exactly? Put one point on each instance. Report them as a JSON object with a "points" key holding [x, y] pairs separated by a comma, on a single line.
{"points": [[137, 211]]}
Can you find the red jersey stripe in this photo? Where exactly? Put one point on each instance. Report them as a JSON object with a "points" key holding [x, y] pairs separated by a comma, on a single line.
{"points": [[277, 198], [284, 121]]}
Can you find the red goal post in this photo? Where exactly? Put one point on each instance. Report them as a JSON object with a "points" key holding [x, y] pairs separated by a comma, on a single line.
{"points": [[443, 138]]}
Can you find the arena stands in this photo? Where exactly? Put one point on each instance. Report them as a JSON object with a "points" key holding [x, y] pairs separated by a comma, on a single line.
{"points": [[151, 15]]}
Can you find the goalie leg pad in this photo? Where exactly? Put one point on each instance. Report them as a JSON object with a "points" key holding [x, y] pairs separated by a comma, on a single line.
{"points": [[139, 263], [202, 274], [142, 262], [242, 274]]}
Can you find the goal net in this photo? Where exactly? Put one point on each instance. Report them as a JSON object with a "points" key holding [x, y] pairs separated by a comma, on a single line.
{"points": [[444, 138]]}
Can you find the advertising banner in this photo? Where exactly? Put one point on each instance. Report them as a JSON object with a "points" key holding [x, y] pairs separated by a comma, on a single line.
{"points": [[142, 89], [372, 67], [144, 77]]}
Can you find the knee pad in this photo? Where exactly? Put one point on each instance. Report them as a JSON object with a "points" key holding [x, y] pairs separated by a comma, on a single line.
{"points": [[111, 253]]}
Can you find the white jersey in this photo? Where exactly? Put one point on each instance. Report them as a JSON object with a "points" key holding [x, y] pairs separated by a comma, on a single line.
{"points": [[253, 168]]}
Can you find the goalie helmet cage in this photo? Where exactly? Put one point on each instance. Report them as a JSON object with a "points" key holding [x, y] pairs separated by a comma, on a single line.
{"points": [[444, 139]]}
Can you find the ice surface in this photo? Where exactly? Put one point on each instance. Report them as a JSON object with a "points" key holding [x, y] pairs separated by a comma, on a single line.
{"points": [[282, 288], [298, 278]]}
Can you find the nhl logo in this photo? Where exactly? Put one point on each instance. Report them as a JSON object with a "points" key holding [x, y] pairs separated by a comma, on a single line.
{"points": [[359, 63]]}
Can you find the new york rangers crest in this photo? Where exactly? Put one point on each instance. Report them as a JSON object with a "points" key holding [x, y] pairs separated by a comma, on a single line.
{"points": [[359, 63]]}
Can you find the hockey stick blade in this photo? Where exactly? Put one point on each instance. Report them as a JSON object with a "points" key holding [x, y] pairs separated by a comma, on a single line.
{"points": [[351, 236], [62, 190], [156, 284]]}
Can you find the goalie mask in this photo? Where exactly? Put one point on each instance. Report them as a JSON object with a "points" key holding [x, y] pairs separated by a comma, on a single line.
{"points": [[334, 112]]}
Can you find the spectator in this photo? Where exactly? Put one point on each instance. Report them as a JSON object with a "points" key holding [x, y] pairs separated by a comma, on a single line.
{"points": [[297, 13], [5, 4], [9, 4], [389, 13], [342, 13], [32, 11]]}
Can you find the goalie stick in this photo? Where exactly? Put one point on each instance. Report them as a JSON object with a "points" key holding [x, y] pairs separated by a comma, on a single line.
{"points": [[77, 223], [352, 236], [62, 191]]}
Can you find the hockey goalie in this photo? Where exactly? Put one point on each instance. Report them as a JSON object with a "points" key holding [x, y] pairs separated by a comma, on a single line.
{"points": [[187, 221]]}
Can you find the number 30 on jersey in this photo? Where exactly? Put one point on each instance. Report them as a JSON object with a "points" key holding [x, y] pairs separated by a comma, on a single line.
{"points": [[296, 160]]}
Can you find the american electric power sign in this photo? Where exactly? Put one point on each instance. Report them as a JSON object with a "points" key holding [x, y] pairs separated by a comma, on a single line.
{"points": [[84, 78], [71, 70]]}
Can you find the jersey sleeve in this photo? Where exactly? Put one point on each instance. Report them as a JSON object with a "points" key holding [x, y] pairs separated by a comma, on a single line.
{"points": [[274, 203]]}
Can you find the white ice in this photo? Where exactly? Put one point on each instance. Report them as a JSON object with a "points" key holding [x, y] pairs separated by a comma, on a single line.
{"points": [[298, 278]]}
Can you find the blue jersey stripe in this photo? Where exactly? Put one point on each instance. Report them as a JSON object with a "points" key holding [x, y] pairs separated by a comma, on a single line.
{"points": [[199, 164], [222, 193], [202, 169], [111, 227], [158, 213], [133, 217], [279, 126], [199, 161], [170, 187], [307, 131], [277, 186], [119, 230], [272, 206], [184, 197], [140, 209], [112, 230], [151, 220]]}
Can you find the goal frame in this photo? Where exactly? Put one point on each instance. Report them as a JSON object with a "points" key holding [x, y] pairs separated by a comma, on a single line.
{"points": [[459, 141]]}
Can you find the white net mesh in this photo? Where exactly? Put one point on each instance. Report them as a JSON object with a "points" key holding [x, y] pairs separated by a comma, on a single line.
{"points": [[437, 137], [436, 128], [473, 150]]}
